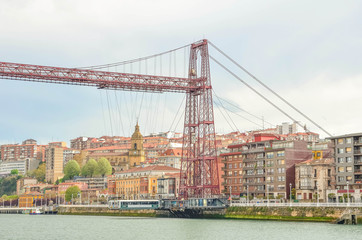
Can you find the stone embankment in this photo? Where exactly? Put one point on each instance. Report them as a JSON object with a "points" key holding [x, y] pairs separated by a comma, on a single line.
{"points": [[105, 211], [310, 214]]}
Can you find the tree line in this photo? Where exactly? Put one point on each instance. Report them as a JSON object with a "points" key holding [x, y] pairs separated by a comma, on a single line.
{"points": [[92, 168]]}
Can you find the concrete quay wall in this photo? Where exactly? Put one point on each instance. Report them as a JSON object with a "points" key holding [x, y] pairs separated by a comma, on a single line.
{"points": [[310, 214], [105, 211], [316, 214]]}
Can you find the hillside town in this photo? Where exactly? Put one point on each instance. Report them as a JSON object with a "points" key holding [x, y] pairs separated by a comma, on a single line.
{"points": [[281, 164]]}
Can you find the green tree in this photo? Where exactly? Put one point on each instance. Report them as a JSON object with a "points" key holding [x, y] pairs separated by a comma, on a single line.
{"points": [[90, 168], [294, 193], [74, 190], [39, 173], [14, 172], [104, 167], [8, 185], [71, 170]]}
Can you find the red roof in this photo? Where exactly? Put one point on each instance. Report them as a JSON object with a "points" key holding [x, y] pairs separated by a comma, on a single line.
{"points": [[172, 152], [150, 168]]}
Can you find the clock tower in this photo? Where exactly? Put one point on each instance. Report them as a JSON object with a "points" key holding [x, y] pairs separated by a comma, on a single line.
{"points": [[136, 154]]}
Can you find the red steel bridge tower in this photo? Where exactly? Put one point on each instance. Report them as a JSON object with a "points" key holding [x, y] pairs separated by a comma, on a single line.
{"points": [[199, 172]]}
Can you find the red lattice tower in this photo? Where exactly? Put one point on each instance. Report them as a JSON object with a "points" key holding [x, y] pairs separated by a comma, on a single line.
{"points": [[199, 169]]}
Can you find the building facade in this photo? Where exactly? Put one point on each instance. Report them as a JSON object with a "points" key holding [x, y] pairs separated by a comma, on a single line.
{"points": [[54, 164], [263, 168], [136, 154], [348, 159]]}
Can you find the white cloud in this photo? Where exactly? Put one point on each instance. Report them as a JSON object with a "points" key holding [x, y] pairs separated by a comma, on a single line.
{"points": [[306, 50]]}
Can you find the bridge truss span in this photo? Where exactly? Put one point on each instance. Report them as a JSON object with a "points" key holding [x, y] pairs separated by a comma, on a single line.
{"points": [[199, 169], [100, 79]]}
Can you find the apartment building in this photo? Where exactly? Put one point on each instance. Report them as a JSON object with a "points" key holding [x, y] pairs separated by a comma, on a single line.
{"points": [[54, 164], [263, 168], [348, 159]]}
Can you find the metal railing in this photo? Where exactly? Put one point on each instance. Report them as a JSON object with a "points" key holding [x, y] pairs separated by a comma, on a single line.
{"points": [[294, 204]]}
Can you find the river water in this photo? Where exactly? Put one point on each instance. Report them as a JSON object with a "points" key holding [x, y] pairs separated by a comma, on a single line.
{"points": [[19, 226]]}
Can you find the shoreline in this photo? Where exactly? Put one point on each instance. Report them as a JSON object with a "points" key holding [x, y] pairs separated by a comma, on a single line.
{"points": [[239, 213]]}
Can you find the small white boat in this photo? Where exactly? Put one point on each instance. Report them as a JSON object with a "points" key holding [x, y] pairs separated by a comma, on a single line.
{"points": [[35, 212]]}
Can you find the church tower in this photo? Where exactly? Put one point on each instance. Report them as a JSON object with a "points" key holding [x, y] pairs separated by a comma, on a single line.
{"points": [[136, 154]]}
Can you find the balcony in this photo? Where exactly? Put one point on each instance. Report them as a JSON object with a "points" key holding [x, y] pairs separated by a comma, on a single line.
{"points": [[357, 142], [357, 152], [308, 187], [249, 160], [358, 162], [358, 172], [259, 183], [249, 167]]}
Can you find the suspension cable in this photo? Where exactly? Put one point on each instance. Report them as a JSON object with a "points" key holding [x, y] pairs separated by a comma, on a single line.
{"points": [[272, 91], [258, 93], [236, 106], [226, 111], [177, 113], [133, 60]]}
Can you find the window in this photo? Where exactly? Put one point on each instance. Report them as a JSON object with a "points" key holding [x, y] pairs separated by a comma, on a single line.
{"points": [[270, 163], [315, 172], [348, 169], [281, 178], [340, 141], [348, 140], [235, 165], [269, 155], [340, 160], [280, 162], [340, 150], [260, 171], [270, 179], [260, 163], [235, 173], [348, 149], [348, 159], [260, 155], [230, 165], [329, 172], [281, 170], [349, 178], [280, 154], [270, 171], [240, 165], [281, 187], [340, 169]]}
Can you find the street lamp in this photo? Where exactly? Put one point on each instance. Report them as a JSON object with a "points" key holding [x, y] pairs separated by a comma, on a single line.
{"points": [[230, 196], [347, 193], [247, 194], [290, 193], [80, 198], [267, 194], [317, 194]]}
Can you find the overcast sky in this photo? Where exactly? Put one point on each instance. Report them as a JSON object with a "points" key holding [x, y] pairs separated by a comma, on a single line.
{"points": [[308, 51]]}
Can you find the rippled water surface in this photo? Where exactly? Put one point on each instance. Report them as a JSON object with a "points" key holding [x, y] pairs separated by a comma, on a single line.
{"points": [[95, 227]]}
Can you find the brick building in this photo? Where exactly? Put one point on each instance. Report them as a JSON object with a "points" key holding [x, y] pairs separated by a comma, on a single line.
{"points": [[260, 168]]}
